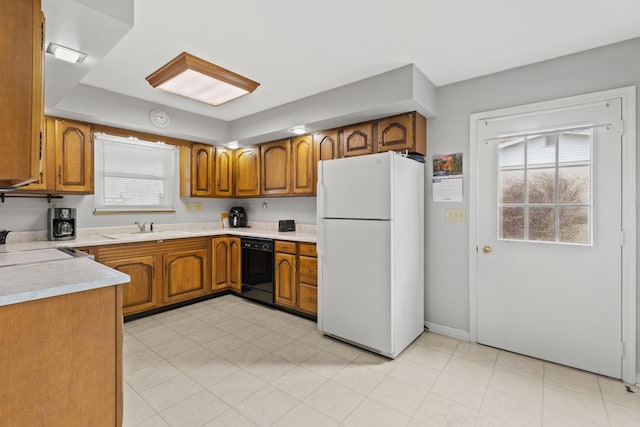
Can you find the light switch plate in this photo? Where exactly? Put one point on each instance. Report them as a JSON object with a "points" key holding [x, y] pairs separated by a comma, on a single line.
{"points": [[456, 215]]}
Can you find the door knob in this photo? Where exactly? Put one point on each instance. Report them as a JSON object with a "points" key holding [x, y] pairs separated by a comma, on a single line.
{"points": [[486, 249]]}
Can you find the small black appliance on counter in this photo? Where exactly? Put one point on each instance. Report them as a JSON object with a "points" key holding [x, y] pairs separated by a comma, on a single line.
{"points": [[286, 225], [238, 217], [61, 223]]}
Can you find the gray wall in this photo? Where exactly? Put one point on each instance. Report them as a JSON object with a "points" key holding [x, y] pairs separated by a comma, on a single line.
{"points": [[447, 260]]}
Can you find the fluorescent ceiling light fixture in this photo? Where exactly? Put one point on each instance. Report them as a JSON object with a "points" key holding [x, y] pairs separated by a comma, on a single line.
{"points": [[232, 144], [299, 130], [66, 53], [195, 78]]}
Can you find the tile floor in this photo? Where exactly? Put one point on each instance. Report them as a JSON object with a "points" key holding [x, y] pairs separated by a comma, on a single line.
{"points": [[229, 362]]}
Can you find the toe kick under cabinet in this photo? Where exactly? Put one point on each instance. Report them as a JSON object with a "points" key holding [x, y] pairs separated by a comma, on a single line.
{"points": [[163, 272]]}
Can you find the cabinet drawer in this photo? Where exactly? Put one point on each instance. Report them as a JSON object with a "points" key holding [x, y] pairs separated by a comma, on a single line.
{"points": [[286, 247], [308, 298], [308, 249], [308, 268]]}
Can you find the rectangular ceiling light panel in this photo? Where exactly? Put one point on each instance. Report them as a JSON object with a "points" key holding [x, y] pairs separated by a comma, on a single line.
{"points": [[194, 78]]}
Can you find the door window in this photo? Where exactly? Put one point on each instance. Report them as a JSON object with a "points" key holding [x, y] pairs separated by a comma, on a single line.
{"points": [[544, 187]]}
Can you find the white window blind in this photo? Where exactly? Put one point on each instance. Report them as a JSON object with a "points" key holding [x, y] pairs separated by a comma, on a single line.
{"points": [[133, 175]]}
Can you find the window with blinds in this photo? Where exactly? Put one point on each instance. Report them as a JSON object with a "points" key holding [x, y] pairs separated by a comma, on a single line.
{"points": [[133, 175]]}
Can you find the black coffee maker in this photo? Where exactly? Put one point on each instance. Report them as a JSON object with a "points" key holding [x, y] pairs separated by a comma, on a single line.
{"points": [[61, 223], [237, 217]]}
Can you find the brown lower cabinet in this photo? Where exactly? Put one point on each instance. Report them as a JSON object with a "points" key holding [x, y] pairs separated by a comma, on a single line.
{"points": [[226, 268], [295, 276], [62, 360], [170, 271]]}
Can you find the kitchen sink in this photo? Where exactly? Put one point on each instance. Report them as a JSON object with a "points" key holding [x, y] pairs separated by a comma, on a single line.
{"points": [[136, 235]]}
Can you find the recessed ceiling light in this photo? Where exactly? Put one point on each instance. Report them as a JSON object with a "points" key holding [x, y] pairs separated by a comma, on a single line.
{"points": [[232, 144], [195, 78], [299, 130], [66, 53]]}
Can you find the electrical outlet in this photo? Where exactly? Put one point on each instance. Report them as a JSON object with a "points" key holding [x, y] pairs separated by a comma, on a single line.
{"points": [[456, 215], [197, 206], [187, 207]]}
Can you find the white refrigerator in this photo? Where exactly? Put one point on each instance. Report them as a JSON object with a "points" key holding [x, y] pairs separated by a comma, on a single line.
{"points": [[371, 251]]}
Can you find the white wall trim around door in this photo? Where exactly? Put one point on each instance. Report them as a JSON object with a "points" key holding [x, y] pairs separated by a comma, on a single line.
{"points": [[447, 331], [629, 261]]}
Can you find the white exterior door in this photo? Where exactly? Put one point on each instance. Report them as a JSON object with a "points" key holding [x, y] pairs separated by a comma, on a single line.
{"points": [[549, 260]]}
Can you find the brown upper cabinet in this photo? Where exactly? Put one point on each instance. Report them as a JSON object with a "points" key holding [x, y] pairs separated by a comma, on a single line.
{"points": [[202, 166], [223, 172], [303, 166], [276, 168], [247, 171], [357, 139], [404, 132], [67, 158], [21, 41], [327, 145]]}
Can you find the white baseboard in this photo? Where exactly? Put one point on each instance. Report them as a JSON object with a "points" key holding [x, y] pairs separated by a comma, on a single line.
{"points": [[447, 331], [638, 379]]}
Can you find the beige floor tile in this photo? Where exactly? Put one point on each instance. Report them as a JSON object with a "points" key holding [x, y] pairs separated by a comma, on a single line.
{"points": [[374, 414], [130, 345], [224, 344], [622, 416], [615, 391], [170, 392], [575, 404], [477, 372], [438, 342], [402, 397], [296, 330], [358, 378], [210, 373], [270, 367], [436, 411], [152, 375], [188, 325], [135, 410], [427, 356], [297, 352], [275, 323], [299, 382], [272, 341], [346, 351], [175, 346], [230, 418], [203, 336], [245, 355], [156, 335], [236, 387], [375, 362], [316, 339], [571, 379], [303, 415], [519, 364], [192, 359], [459, 390], [266, 406], [524, 387], [139, 360], [155, 421], [486, 420], [512, 410], [251, 333], [325, 364], [334, 400], [233, 324], [560, 419], [476, 353], [415, 373], [197, 410]]}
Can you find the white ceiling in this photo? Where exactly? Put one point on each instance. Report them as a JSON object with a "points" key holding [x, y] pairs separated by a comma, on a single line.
{"points": [[295, 49]]}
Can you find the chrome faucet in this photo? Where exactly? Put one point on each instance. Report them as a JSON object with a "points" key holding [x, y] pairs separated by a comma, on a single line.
{"points": [[141, 227]]}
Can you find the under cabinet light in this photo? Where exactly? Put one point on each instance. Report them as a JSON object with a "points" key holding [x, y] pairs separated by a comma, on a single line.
{"points": [[195, 78], [66, 53]]}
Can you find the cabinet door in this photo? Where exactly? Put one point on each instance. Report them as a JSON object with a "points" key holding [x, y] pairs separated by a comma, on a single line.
{"points": [[220, 267], [235, 264], [21, 33], [285, 279], [276, 167], [327, 145], [140, 293], [308, 299], [185, 275], [223, 172], [47, 164], [304, 168], [247, 171], [396, 133], [357, 139], [74, 157], [308, 269], [201, 170]]}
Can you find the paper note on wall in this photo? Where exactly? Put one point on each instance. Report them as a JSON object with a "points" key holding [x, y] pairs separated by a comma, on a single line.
{"points": [[447, 178]]}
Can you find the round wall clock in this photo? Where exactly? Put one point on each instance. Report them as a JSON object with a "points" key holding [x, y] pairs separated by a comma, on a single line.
{"points": [[159, 118]]}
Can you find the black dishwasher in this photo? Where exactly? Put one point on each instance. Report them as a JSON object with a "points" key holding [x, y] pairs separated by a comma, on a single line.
{"points": [[257, 269]]}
